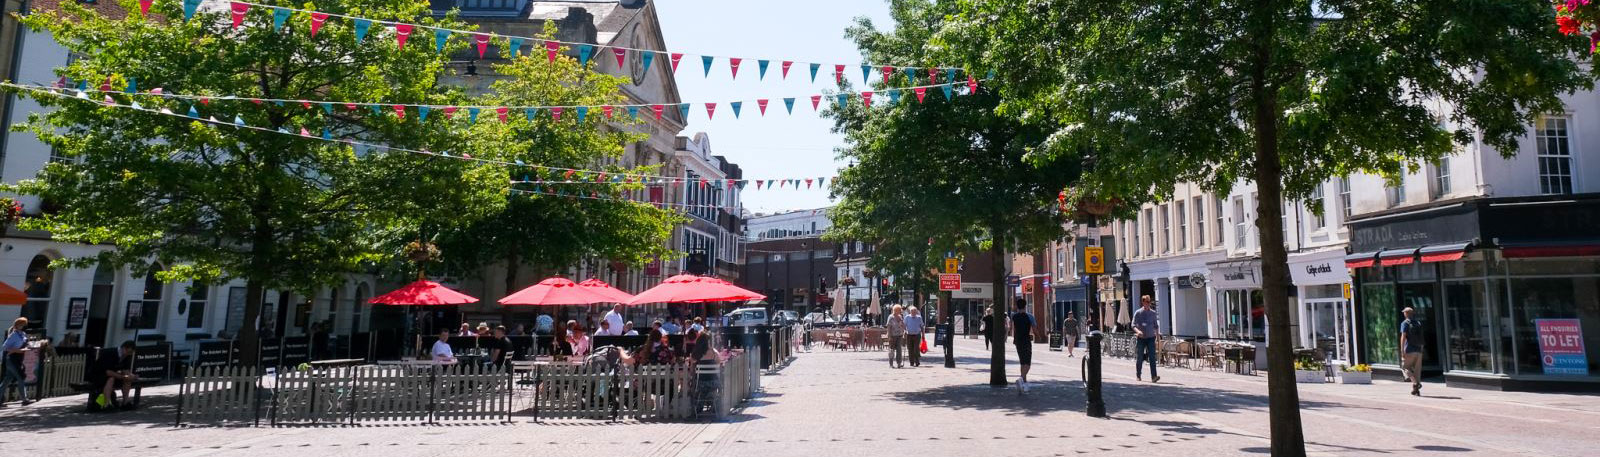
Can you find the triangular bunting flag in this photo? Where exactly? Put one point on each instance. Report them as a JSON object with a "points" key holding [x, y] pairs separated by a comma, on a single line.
{"points": [[866, 97], [761, 69], [583, 113], [842, 98], [193, 113], [683, 111], [584, 52], [785, 66], [950, 75], [733, 66], [279, 16], [758, 184], [633, 112], [400, 111], [607, 110], [189, 7], [501, 113], [621, 55], [133, 86], [238, 121], [838, 74], [706, 62], [361, 28], [814, 68], [972, 84], [822, 182], [657, 109], [735, 106], [304, 132], [676, 57], [911, 78], [529, 113], [422, 113], [946, 88], [866, 72], [894, 96], [144, 7], [450, 112], [327, 134], [238, 10], [933, 76], [555, 113], [327, 108], [646, 58], [711, 110], [472, 115], [788, 103], [761, 104], [317, 19], [808, 183], [402, 32], [887, 72], [376, 110], [515, 46], [815, 99], [550, 49], [922, 92], [483, 43], [440, 36]]}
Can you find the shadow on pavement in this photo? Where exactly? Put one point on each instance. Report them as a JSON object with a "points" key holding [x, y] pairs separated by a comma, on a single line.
{"points": [[57, 414], [1052, 395]]}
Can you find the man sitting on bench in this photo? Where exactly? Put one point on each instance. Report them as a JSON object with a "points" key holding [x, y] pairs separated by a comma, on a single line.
{"points": [[113, 367]]}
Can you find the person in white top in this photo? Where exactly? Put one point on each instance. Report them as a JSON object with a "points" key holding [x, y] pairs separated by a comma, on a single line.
{"points": [[627, 330], [613, 317], [441, 348]]}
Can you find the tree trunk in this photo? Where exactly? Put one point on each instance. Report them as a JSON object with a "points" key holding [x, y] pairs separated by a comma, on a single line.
{"points": [[1288, 439], [513, 266], [261, 247], [997, 329]]}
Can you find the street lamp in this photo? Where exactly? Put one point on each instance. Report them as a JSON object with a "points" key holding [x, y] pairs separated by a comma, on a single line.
{"points": [[1091, 209]]}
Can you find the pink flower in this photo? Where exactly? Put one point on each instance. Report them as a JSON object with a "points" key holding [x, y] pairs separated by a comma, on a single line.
{"points": [[1567, 24]]}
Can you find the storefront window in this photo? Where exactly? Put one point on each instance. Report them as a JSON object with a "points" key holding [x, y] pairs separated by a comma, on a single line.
{"points": [[1382, 323], [1554, 298], [1554, 266], [1470, 266], [1243, 314], [1470, 317]]}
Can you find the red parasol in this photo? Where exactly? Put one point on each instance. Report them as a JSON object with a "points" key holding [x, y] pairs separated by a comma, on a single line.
{"points": [[11, 296], [555, 291], [423, 292], [694, 289], [600, 287]]}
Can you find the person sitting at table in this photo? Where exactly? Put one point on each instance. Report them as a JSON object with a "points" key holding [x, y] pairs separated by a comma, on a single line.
{"points": [[111, 368], [672, 327], [466, 330], [659, 349], [519, 331], [578, 339], [499, 348], [441, 347], [627, 329], [483, 330]]}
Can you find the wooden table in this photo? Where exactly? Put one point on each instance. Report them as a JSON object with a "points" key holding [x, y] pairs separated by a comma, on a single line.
{"points": [[337, 363]]}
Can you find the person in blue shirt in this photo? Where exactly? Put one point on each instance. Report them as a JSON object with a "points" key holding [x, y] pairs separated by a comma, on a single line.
{"points": [[1411, 350], [16, 342], [1147, 330], [914, 330]]}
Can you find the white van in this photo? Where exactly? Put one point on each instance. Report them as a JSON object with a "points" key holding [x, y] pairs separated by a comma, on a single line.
{"points": [[746, 317]]}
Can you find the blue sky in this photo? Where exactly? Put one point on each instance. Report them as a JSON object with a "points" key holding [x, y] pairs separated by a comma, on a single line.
{"points": [[776, 146]]}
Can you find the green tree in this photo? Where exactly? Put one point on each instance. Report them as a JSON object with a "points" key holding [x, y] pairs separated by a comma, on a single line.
{"points": [[1284, 93], [219, 202], [548, 231], [947, 169]]}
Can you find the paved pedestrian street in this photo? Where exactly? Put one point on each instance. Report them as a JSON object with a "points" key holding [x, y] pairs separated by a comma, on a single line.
{"points": [[829, 403]]}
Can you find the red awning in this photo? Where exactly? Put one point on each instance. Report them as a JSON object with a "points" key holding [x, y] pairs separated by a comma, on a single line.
{"points": [[1361, 260], [1397, 257], [1443, 256], [1551, 251], [1444, 252]]}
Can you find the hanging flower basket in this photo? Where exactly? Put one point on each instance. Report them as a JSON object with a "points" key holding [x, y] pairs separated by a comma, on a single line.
{"points": [[10, 210], [421, 252]]}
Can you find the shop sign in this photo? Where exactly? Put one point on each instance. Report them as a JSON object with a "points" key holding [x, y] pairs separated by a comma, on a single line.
{"points": [[973, 291], [1440, 226], [1235, 277], [950, 282], [1319, 272], [77, 312], [1561, 346]]}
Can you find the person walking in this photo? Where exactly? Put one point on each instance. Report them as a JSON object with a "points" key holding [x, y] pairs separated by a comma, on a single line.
{"points": [[1411, 350], [915, 327], [1069, 330], [897, 333], [1147, 328], [985, 324], [1022, 336], [16, 343]]}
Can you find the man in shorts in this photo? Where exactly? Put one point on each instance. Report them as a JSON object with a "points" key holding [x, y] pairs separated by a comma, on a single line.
{"points": [[1022, 336]]}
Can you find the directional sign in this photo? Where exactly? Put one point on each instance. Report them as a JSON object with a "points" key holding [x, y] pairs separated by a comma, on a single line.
{"points": [[1094, 260], [952, 266], [949, 282]]}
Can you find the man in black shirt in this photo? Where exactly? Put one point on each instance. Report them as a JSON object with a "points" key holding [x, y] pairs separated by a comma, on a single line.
{"points": [[499, 347], [113, 367], [1022, 333]]}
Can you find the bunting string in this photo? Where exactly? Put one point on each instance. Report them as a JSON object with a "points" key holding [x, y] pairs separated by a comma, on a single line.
{"points": [[586, 51]]}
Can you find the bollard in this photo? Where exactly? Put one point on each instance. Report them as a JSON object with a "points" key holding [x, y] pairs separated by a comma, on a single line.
{"points": [[1097, 405]]}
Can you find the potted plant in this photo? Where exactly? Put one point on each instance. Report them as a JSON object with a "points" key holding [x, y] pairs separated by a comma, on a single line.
{"points": [[1355, 374], [1309, 371]]}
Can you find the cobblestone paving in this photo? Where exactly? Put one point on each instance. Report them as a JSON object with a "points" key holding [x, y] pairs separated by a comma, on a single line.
{"points": [[851, 403]]}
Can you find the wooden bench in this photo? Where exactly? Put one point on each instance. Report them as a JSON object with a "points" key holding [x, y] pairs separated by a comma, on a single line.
{"points": [[86, 384]]}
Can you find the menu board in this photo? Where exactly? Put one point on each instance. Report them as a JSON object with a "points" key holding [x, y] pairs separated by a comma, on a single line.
{"points": [[271, 350], [77, 312], [152, 362], [214, 353], [296, 350]]}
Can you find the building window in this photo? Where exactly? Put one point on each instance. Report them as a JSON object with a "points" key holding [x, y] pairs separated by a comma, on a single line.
{"points": [[1150, 231], [197, 305], [150, 308], [1319, 211], [1127, 235], [1441, 178], [1199, 222], [1555, 156], [824, 253], [356, 323], [39, 287], [1217, 233], [1344, 197], [1166, 230], [1397, 191], [1183, 225], [1240, 230]]}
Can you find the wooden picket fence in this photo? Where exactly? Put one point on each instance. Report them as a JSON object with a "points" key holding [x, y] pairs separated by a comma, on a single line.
{"points": [[365, 394], [588, 392], [220, 395], [393, 393]]}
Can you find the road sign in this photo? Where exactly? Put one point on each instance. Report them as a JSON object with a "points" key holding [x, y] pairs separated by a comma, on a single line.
{"points": [[1014, 280], [952, 265], [949, 282], [1094, 260], [1346, 289]]}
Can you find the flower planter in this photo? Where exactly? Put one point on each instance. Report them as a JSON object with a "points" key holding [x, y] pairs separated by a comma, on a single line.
{"points": [[1355, 377], [1309, 377]]}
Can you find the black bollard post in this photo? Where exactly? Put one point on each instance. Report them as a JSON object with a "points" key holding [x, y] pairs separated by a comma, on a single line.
{"points": [[1097, 405]]}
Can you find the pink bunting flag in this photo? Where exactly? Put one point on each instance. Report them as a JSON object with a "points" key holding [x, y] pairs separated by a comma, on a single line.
{"points": [[238, 10], [606, 109], [483, 43], [922, 92], [838, 74], [156, 91], [733, 65], [815, 99], [350, 106], [758, 184], [304, 132], [61, 83], [933, 75], [501, 112], [786, 65], [657, 109], [622, 54], [144, 7], [555, 113], [400, 111], [106, 86], [450, 112], [867, 97], [972, 84], [808, 183], [711, 109], [676, 57], [401, 33], [887, 72], [762, 104], [550, 49], [317, 19], [256, 101]]}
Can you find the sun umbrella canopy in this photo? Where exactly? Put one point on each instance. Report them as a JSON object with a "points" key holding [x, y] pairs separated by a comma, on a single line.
{"points": [[694, 289], [600, 287], [423, 292], [11, 296], [555, 291]]}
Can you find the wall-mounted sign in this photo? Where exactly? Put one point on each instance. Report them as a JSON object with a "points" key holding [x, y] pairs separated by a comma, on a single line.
{"points": [[949, 282], [77, 312], [1094, 260], [952, 266], [1561, 346]]}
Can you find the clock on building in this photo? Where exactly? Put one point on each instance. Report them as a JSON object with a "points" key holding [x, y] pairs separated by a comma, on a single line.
{"points": [[636, 66]]}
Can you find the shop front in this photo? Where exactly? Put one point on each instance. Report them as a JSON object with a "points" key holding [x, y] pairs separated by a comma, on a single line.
{"points": [[1508, 290], [1068, 299], [1237, 309], [1327, 317], [969, 303]]}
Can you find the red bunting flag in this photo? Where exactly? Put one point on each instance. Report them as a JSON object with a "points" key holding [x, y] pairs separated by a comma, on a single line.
{"points": [[568, 174], [106, 86], [238, 10], [600, 177], [762, 104], [729, 185], [350, 106], [758, 184], [933, 75], [550, 49], [621, 53], [450, 112], [676, 57], [887, 72], [483, 43], [733, 66], [400, 111], [303, 103], [401, 33], [657, 109], [808, 183], [711, 109], [921, 93], [606, 109], [703, 182], [555, 113], [815, 99], [144, 7], [256, 101], [972, 84], [786, 65], [838, 74], [867, 97], [501, 111], [316, 22]]}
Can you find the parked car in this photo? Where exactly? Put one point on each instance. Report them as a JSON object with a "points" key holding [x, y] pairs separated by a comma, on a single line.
{"points": [[851, 319], [785, 317], [818, 320], [743, 317]]}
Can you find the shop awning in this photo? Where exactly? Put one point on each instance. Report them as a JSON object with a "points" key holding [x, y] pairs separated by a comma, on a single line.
{"points": [[1361, 260], [1444, 252], [1551, 250], [1394, 257]]}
